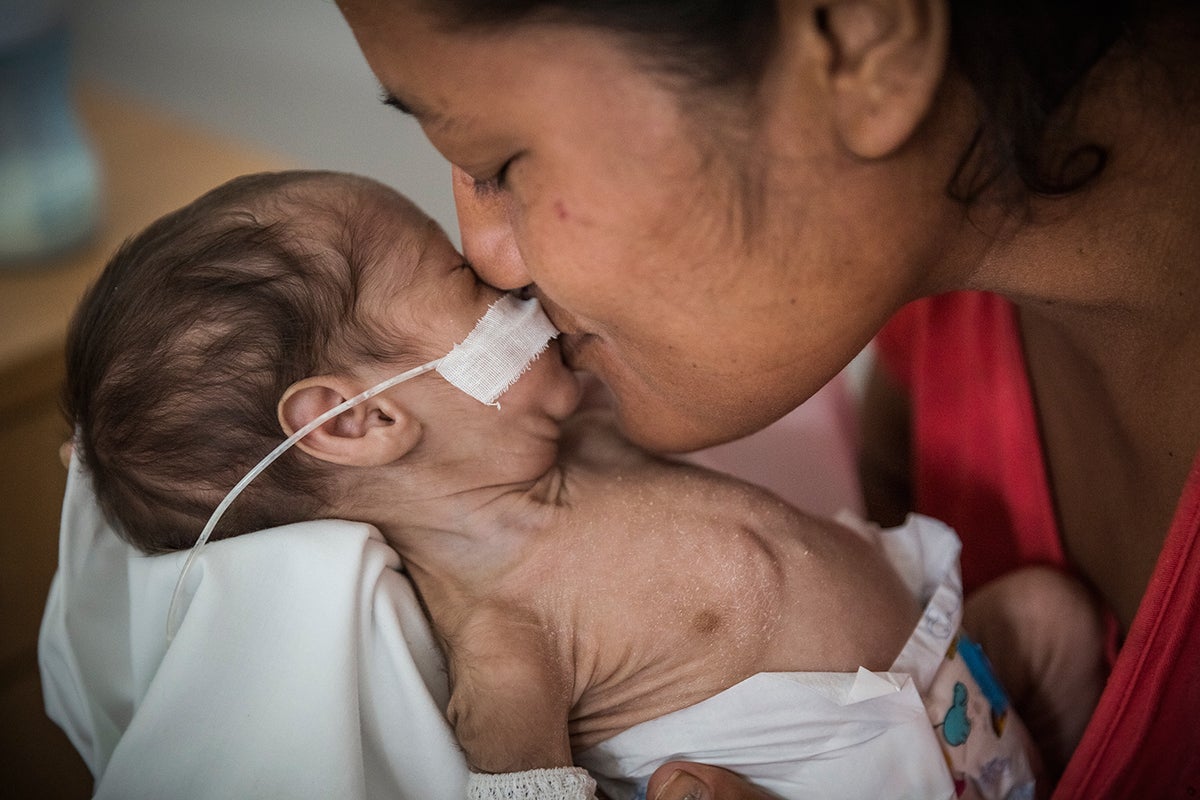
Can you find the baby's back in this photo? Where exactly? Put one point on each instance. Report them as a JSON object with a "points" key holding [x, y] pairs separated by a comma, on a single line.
{"points": [[672, 583]]}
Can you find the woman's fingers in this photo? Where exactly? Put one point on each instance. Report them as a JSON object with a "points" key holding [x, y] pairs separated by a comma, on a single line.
{"points": [[680, 780]]}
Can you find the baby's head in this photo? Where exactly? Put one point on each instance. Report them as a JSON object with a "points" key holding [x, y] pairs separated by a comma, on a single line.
{"points": [[179, 354]]}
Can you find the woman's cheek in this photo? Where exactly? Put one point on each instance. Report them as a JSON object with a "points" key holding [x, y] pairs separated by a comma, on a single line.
{"points": [[563, 258]]}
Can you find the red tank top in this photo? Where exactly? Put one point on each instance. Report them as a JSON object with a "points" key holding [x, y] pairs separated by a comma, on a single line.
{"points": [[978, 466]]}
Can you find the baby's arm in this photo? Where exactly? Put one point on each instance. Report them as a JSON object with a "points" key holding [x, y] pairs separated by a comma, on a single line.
{"points": [[511, 693], [1043, 633]]}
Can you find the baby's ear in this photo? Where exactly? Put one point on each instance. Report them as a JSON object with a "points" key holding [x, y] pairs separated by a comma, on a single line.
{"points": [[375, 432]]}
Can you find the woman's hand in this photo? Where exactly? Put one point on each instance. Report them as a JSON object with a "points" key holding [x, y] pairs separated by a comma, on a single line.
{"points": [[680, 780]]}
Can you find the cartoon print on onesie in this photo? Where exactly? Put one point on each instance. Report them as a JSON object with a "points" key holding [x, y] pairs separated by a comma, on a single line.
{"points": [[968, 690]]}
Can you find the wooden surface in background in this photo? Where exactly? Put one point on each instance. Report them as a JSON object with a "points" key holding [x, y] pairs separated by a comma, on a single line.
{"points": [[151, 163]]}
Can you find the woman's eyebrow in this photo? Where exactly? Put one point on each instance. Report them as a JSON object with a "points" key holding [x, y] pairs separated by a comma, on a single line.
{"points": [[427, 117], [431, 120]]}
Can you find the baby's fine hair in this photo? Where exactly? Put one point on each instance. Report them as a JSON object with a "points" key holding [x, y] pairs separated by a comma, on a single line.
{"points": [[179, 353]]}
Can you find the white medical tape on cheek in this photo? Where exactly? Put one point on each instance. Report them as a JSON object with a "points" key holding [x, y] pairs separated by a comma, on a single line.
{"points": [[498, 349]]}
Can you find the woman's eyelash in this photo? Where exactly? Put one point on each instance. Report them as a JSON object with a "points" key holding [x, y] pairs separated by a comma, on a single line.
{"points": [[495, 183]]}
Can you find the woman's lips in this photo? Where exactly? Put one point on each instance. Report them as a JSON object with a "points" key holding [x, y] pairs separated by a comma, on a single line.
{"points": [[573, 341], [574, 346]]}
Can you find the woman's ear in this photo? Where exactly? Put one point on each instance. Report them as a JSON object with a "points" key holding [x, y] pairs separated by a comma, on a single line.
{"points": [[375, 432], [884, 61]]}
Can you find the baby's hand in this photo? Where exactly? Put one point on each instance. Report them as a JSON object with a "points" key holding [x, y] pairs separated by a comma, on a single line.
{"points": [[680, 780], [1043, 632]]}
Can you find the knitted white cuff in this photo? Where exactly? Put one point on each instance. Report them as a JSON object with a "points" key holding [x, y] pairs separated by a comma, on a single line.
{"points": [[562, 783]]}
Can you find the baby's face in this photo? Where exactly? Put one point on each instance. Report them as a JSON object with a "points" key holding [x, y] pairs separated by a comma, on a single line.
{"points": [[425, 288]]}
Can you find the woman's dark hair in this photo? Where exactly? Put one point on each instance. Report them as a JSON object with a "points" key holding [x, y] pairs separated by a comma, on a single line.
{"points": [[178, 354], [705, 43], [1025, 59]]}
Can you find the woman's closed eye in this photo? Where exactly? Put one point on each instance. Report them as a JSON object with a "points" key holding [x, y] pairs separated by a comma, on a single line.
{"points": [[498, 182]]}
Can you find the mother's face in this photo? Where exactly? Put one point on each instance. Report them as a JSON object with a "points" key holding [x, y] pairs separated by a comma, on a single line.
{"points": [[712, 264]]}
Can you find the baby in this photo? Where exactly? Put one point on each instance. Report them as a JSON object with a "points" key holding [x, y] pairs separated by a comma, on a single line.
{"points": [[593, 601]]}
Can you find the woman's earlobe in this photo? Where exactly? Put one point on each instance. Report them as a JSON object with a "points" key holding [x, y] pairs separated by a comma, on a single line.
{"points": [[887, 61], [377, 431]]}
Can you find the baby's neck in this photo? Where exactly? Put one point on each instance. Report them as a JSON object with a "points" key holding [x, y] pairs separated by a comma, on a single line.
{"points": [[458, 545]]}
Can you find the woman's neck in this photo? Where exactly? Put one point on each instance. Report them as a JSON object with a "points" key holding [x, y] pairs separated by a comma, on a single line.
{"points": [[1107, 282], [1116, 266]]}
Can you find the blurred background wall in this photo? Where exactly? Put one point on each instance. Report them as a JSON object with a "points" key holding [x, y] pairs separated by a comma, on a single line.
{"points": [[284, 75]]}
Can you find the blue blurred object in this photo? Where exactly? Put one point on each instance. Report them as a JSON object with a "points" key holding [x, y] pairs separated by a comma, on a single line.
{"points": [[49, 180]]}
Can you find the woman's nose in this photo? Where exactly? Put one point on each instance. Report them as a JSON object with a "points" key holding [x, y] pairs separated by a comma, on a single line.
{"points": [[485, 223]]}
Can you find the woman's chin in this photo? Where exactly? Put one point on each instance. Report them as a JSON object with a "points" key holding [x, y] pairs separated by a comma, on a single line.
{"points": [[660, 430]]}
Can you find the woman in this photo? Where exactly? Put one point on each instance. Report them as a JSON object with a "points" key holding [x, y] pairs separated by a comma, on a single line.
{"points": [[721, 203]]}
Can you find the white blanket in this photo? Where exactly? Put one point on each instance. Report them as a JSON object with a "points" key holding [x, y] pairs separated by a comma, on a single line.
{"points": [[302, 668]]}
